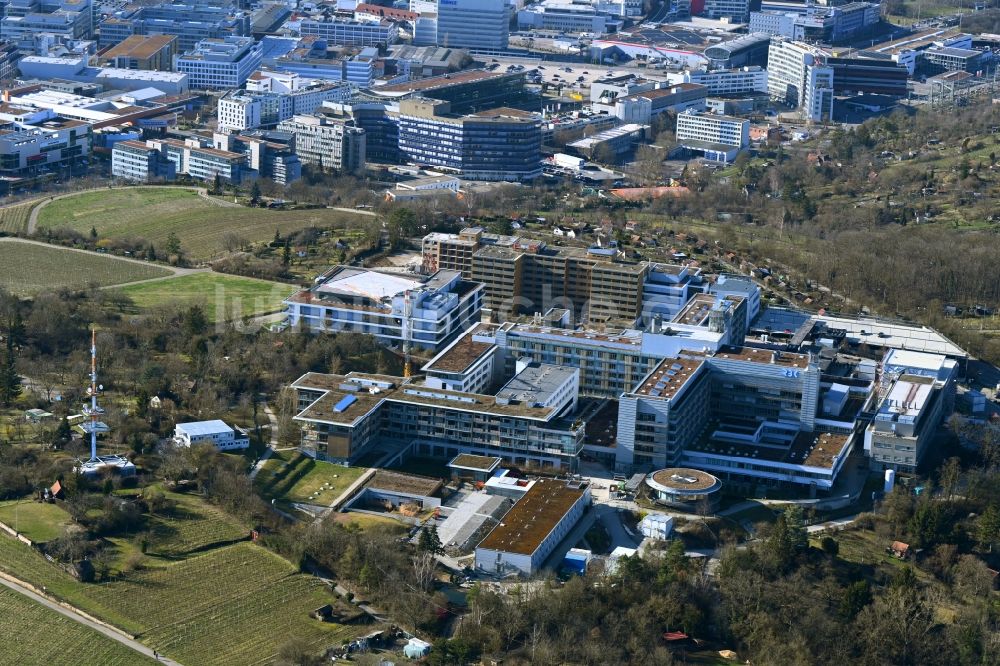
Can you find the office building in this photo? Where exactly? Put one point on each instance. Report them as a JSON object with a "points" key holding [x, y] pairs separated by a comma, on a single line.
{"points": [[66, 19], [829, 25], [242, 110], [533, 528], [938, 59], [613, 143], [797, 77], [735, 11], [137, 162], [328, 143], [746, 50], [857, 74], [344, 417], [719, 138], [269, 153], [155, 52], [642, 107], [202, 163], [440, 306], [501, 144], [351, 32], [215, 433], [76, 69], [467, 91], [730, 82], [567, 16], [220, 64], [9, 55], [480, 25], [191, 24], [48, 140]]}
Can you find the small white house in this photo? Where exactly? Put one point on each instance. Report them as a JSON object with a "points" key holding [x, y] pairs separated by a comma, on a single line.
{"points": [[216, 433]]}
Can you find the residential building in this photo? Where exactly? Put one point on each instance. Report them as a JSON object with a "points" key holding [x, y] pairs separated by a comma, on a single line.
{"points": [[351, 32], [220, 64], [216, 433], [533, 528], [137, 162], [153, 52], [797, 77], [440, 306], [473, 24], [719, 138], [328, 143], [501, 144], [191, 24]]}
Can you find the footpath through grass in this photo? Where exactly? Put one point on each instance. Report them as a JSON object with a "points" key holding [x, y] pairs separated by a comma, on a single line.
{"points": [[34, 634], [27, 269], [204, 227], [223, 297]]}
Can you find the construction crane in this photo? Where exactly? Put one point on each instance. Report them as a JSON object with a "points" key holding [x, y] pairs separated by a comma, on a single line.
{"points": [[406, 328]]}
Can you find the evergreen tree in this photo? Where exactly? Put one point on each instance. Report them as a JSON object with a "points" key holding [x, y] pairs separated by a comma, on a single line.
{"points": [[93, 232], [286, 254], [217, 184], [10, 381], [62, 435], [255, 194], [429, 541]]}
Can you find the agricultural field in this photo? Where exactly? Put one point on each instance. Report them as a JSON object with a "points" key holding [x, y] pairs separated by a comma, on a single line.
{"points": [[206, 228], [231, 605], [38, 521], [14, 219], [28, 268], [33, 634], [290, 476], [191, 526], [223, 297]]}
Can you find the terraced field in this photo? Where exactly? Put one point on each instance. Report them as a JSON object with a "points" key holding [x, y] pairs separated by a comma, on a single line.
{"points": [[235, 604], [14, 219], [191, 526], [203, 226], [33, 634], [30, 268]]}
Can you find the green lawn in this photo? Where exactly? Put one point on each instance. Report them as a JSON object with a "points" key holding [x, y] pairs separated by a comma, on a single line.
{"points": [[190, 526], [203, 227], [38, 521], [33, 634], [236, 604], [224, 297], [289, 476], [27, 269]]}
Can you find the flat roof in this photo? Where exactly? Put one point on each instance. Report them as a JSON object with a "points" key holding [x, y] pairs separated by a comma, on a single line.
{"points": [[461, 355], [138, 46], [201, 428], [533, 517], [893, 334], [475, 463], [768, 356], [410, 484], [695, 311], [669, 377], [683, 479], [536, 383], [443, 81], [375, 286]]}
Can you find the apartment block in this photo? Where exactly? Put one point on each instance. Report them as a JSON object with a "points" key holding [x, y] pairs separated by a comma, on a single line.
{"points": [[328, 143], [220, 64]]}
